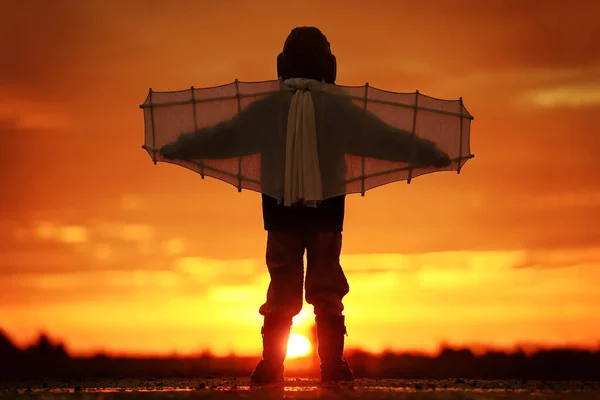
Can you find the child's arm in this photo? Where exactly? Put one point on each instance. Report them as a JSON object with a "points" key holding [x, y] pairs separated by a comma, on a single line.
{"points": [[238, 136], [364, 134]]}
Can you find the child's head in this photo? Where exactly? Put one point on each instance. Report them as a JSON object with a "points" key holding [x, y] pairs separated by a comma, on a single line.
{"points": [[307, 54]]}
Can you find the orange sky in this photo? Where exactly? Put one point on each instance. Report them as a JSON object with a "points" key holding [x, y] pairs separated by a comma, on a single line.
{"points": [[105, 250]]}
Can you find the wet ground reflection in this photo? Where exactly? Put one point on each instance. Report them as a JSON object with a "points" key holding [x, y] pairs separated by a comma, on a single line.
{"points": [[303, 388]]}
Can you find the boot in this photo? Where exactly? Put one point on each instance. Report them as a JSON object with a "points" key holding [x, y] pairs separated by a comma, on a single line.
{"points": [[330, 335], [275, 335]]}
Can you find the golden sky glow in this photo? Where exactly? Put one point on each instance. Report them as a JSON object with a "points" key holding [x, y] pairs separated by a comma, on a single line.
{"points": [[103, 249]]}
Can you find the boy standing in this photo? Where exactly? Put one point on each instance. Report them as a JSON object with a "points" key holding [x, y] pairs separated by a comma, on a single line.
{"points": [[292, 230]]}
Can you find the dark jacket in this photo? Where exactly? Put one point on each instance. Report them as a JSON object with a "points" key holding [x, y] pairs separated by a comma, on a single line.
{"points": [[343, 128]]}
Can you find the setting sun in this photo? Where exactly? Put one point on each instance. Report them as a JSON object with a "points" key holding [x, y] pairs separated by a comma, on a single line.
{"points": [[298, 346]]}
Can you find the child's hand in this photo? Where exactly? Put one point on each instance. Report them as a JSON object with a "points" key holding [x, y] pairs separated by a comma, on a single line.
{"points": [[441, 159], [169, 151]]}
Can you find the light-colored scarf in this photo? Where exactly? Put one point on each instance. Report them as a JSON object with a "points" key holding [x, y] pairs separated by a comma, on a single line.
{"points": [[302, 171]]}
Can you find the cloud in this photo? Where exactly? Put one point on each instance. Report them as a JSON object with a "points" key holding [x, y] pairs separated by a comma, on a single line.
{"points": [[55, 258], [62, 247], [131, 202], [563, 200], [562, 259], [31, 115], [110, 246], [69, 234], [124, 231], [83, 287], [225, 293], [211, 270], [568, 96], [459, 296], [103, 252], [173, 246], [387, 64], [530, 76]]}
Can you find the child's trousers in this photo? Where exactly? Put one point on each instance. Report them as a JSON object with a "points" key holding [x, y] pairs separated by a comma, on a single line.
{"points": [[326, 284]]}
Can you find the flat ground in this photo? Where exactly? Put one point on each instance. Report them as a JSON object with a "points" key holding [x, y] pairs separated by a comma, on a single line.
{"points": [[239, 388]]}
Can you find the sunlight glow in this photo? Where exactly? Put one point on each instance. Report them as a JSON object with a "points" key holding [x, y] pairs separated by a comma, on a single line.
{"points": [[298, 346], [304, 318]]}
